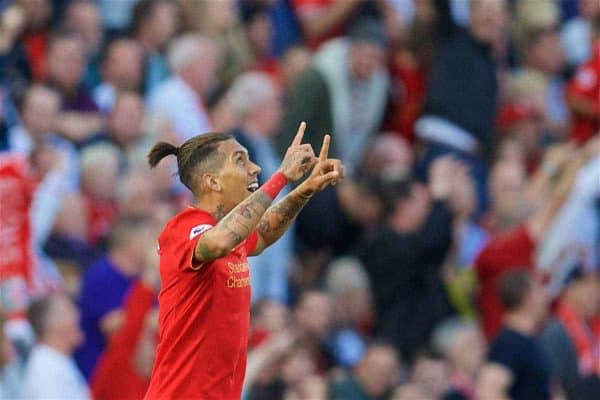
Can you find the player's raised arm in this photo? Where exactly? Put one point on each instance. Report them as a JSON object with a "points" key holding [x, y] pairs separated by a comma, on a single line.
{"points": [[237, 225], [278, 218]]}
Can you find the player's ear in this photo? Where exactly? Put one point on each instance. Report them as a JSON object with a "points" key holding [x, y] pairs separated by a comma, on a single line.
{"points": [[210, 182]]}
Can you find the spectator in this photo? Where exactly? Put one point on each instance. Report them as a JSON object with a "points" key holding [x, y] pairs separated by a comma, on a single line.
{"points": [[136, 194], [544, 54], [256, 102], [459, 114], [294, 62], [15, 69], [374, 376], [348, 285], [51, 371], [194, 60], [516, 349], [404, 254], [220, 21], [153, 24], [104, 287], [31, 193], [569, 338], [267, 318], [389, 156], [121, 71], [124, 125], [507, 197], [462, 345], [99, 175], [125, 366], [347, 85], [516, 247], [259, 31], [39, 113], [313, 318], [582, 93], [83, 18], [429, 375], [66, 63]]}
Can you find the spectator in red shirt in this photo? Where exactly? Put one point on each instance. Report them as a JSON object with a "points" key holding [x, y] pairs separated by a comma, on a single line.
{"points": [[205, 283], [583, 94], [515, 249], [99, 175]]}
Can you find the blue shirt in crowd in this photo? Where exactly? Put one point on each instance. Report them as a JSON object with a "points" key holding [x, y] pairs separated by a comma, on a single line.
{"points": [[103, 290]]}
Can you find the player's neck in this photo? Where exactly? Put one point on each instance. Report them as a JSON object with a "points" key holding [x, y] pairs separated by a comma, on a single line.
{"points": [[214, 206]]}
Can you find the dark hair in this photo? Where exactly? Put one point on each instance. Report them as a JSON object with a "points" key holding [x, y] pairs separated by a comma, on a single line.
{"points": [[190, 155], [513, 288], [142, 11], [37, 314], [390, 192]]}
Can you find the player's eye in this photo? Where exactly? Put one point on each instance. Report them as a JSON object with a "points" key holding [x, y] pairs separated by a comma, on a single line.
{"points": [[241, 161]]}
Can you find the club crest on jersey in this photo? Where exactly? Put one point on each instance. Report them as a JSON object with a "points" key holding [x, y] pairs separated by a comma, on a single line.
{"points": [[199, 229]]}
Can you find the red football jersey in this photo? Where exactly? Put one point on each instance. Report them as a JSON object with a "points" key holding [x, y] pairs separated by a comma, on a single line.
{"points": [[17, 260], [204, 315]]}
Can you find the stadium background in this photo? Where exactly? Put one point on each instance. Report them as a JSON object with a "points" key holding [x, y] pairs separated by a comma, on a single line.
{"points": [[471, 142]]}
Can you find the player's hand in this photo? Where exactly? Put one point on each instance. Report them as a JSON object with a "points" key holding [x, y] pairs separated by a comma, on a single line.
{"points": [[326, 172], [299, 158]]}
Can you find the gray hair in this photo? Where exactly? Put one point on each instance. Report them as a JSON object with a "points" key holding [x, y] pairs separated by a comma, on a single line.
{"points": [[98, 155], [346, 273], [185, 48], [250, 90], [446, 332]]}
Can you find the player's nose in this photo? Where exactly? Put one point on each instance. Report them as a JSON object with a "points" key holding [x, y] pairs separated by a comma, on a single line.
{"points": [[254, 169]]}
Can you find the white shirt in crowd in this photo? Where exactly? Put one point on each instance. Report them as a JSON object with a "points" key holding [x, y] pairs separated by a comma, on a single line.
{"points": [[51, 375], [181, 106]]}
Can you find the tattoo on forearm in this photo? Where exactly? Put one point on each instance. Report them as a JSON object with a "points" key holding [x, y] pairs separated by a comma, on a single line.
{"points": [[279, 217]]}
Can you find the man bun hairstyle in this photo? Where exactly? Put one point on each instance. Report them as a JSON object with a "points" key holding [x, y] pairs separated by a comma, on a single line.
{"points": [[159, 151], [196, 155]]}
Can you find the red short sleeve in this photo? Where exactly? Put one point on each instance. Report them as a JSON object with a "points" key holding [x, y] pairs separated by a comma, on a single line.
{"points": [[251, 242], [178, 240]]}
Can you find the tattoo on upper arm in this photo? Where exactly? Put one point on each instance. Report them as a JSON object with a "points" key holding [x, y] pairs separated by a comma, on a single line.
{"points": [[204, 252]]}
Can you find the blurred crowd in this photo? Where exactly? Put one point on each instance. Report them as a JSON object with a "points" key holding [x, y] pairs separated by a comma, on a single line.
{"points": [[458, 260]]}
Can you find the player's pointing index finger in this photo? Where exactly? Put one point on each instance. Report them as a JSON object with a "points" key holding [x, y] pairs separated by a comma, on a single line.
{"points": [[300, 134], [325, 148]]}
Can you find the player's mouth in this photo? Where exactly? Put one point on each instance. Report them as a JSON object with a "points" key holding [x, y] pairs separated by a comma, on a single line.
{"points": [[252, 187]]}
